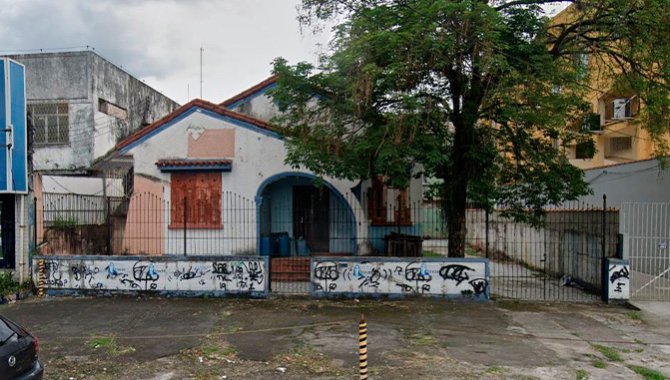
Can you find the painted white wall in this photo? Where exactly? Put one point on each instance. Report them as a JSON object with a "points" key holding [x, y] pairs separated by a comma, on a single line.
{"points": [[642, 181], [241, 275], [261, 107], [454, 278], [81, 185], [258, 156]]}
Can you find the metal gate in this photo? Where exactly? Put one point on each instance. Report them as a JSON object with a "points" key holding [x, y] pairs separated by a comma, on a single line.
{"points": [[646, 227]]}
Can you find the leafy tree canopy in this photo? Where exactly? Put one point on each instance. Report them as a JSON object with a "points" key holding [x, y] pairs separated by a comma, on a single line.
{"points": [[476, 93]]}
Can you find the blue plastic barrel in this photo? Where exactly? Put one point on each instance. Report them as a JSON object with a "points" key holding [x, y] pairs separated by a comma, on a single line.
{"points": [[265, 246], [302, 247], [284, 248]]}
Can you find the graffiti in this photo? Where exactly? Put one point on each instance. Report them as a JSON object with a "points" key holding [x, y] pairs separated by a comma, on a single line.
{"points": [[479, 285], [414, 273], [617, 274], [619, 280], [224, 275], [54, 278], [190, 273], [82, 272], [418, 277], [326, 271], [455, 272]]}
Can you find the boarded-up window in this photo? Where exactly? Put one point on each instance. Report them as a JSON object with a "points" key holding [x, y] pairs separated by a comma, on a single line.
{"points": [[388, 206], [196, 197]]}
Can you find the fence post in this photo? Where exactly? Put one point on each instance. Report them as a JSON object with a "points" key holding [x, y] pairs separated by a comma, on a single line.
{"points": [[487, 232], [185, 213], [603, 265], [109, 226]]}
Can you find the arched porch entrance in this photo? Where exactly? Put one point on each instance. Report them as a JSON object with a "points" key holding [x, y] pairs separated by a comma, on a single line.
{"points": [[301, 217]]}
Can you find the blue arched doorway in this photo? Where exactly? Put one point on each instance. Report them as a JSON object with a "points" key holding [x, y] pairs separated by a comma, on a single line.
{"points": [[299, 216]]}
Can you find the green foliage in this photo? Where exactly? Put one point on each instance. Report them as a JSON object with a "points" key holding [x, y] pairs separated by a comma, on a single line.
{"points": [[64, 223], [647, 373], [476, 94], [9, 286], [610, 353], [599, 364], [581, 374]]}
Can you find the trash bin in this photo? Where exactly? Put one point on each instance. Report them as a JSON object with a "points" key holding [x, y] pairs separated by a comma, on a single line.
{"points": [[402, 245], [279, 244], [265, 246]]}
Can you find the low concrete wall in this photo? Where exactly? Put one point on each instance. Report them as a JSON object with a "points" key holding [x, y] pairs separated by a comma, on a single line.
{"points": [[462, 278], [618, 279], [167, 275]]}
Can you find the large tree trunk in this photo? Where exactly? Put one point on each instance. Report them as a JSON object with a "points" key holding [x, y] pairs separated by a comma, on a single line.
{"points": [[456, 186]]}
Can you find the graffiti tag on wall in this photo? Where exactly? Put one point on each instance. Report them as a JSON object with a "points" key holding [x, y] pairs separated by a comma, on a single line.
{"points": [[464, 279], [618, 281], [237, 275]]}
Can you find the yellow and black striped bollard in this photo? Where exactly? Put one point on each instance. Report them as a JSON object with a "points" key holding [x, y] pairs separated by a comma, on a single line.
{"points": [[363, 347], [40, 279]]}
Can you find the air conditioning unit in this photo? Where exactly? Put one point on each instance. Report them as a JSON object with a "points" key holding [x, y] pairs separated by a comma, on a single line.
{"points": [[622, 109]]}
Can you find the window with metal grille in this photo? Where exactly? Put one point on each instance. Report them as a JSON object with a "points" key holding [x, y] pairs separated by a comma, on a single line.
{"points": [[196, 197], [51, 123], [619, 144], [388, 206]]}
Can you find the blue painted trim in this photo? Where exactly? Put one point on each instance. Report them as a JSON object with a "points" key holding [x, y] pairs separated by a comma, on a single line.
{"points": [[335, 295], [277, 177], [195, 109], [161, 293], [248, 98], [197, 168]]}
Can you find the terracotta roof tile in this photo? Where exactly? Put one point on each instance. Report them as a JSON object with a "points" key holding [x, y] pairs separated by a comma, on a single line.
{"points": [[186, 162], [250, 91], [203, 104]]}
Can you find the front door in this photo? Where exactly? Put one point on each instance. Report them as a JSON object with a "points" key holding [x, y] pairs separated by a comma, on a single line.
{"points": [[7, 231], [311, 217]]}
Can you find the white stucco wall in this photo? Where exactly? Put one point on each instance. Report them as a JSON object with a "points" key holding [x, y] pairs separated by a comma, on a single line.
{"points": [[261, 107], [258, 156]]}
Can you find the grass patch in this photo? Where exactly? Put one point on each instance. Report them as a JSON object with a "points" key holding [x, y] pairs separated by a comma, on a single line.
{"points": [[9, 286], [599, 364], [647, 373], [581, 374], [429, 253], [495, 369], [420, 339], [109, 344], [635, 315], [610, 353]]}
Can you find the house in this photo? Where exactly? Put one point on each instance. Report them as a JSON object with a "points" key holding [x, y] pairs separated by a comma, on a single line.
{"points": [[212, 179], [80, 105], [613, 122]]}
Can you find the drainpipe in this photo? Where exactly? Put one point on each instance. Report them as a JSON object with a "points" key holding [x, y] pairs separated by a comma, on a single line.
{"points": [[22, 244]]}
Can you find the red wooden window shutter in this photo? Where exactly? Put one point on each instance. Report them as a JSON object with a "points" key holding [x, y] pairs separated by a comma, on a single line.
{"points": [[200, 192]]}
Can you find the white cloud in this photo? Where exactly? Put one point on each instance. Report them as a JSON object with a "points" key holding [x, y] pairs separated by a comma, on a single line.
{"points": [[159, 41]]}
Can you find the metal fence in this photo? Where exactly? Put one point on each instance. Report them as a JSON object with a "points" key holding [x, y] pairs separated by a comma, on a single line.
{"points": [[559, 260], [646, 227]]}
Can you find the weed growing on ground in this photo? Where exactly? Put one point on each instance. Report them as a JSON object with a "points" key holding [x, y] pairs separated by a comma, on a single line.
{"points": [[647, 373], [610, 353], [599, 364], [635, 315], [109, 344], [422, 339], [581, 374]]}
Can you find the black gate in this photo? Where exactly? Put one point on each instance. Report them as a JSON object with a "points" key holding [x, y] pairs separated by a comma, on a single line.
{"points": [[7, 230]]}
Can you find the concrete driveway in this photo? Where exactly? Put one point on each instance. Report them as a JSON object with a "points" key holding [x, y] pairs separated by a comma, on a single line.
{"points": [[152, 338]]}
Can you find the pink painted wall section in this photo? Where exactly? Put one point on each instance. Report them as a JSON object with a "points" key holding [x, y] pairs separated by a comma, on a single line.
{"points": [[39, 207], [144, 228], [212, 143]]}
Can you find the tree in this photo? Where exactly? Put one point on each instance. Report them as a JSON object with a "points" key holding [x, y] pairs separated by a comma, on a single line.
{"points": [[479, 94]]}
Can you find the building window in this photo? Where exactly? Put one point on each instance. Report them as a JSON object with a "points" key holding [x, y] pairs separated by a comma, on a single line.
{"points": [[50, 122], [388, 206], [617, 145], [196, 197]]}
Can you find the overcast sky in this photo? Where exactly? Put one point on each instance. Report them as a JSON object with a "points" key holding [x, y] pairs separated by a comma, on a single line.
{"points": [[159, 41]]}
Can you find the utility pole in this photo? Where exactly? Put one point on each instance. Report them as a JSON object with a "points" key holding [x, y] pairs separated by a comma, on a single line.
{"points": [[201, 50]]}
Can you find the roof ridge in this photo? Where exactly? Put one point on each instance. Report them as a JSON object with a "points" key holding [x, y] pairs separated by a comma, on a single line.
{"points": [[249, 91], [201, 103]]}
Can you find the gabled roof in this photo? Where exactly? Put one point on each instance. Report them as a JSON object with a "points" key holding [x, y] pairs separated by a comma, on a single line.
{"points": [[251, 91], [196, 103]]}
